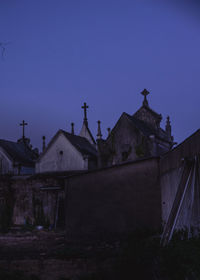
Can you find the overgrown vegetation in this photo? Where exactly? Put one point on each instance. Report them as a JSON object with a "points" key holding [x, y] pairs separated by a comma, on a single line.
{"points": [[142, 257], [181, 258]]}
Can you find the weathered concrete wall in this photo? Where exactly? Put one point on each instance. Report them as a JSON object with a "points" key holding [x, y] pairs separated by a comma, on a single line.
{"points": [[169, 184], [31, 200], [113, 201], [61, 156], [171, 168], [146, 115], [126, 143]]}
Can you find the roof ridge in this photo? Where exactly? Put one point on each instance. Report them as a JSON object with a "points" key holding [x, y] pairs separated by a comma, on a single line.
{"points": [[9, 141]]}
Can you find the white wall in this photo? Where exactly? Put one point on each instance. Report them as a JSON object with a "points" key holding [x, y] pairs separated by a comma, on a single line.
{"points": [[52, 160], [6, 165], [169, 185]]}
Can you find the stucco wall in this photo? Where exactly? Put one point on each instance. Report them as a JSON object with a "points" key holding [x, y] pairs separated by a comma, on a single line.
{"points": [[113, 201], [171, 168], [169, 184], [61, 156]]}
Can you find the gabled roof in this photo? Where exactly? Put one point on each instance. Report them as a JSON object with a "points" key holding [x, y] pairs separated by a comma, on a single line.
{"points": [[79, 142], [146, 129], [19, 152], [90, 133], [141, 125], [84, 131], [147, 108]]}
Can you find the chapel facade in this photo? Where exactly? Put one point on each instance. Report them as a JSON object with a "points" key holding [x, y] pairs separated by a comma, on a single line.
{"points": [[135, 137], [69, 152]]}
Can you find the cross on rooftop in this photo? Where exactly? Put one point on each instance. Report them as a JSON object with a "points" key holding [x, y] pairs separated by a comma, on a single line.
{"points": [[145, 93], [85, 107], [23, 124]]}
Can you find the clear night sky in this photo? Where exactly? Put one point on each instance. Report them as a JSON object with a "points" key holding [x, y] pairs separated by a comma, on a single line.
{"points": [[103, 52]]}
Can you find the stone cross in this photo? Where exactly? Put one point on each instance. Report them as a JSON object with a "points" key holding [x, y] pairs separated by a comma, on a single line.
{"points": [[23, 125], [85, 107], [145, 93]]}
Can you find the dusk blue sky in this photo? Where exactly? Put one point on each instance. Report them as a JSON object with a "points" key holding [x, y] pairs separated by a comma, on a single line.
{"points": [[65, 52]]}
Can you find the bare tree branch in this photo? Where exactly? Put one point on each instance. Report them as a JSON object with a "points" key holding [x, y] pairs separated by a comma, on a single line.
{"points": [[3, 48]]}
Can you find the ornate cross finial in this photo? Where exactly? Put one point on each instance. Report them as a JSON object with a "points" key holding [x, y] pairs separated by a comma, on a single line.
{"points": [[23, 125], [99, 135], [85, 107], [145, 93]]}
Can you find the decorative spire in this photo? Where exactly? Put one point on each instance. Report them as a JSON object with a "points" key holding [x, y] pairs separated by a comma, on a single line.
{"points": [[109, 131], [168, 128], [43, 143], [99, 135], [72, 127], [85, 107], [145, 101], [23, 124]]}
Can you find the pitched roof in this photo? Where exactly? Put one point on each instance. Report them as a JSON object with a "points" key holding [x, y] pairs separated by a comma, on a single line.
{"points": [[19, 152], [155, 114], [90, 133], [81, 143], [141, 125], [146, 129], [84, 129]]}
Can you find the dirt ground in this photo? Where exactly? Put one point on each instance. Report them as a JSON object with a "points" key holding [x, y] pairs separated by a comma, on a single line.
{"points": [[30, 245], [47, 255]]}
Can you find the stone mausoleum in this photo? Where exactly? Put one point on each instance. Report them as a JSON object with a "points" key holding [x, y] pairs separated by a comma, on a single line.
{"points": [[135, 136]]}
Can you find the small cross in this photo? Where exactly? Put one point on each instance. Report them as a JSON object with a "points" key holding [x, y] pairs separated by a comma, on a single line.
{"points": [[85, 107], [23, 124]]}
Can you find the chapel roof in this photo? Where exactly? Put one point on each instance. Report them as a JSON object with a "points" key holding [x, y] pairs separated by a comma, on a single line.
{"points": [[81, 143], [146, 129], [86, 133], [19, 152], [155, 114]]}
